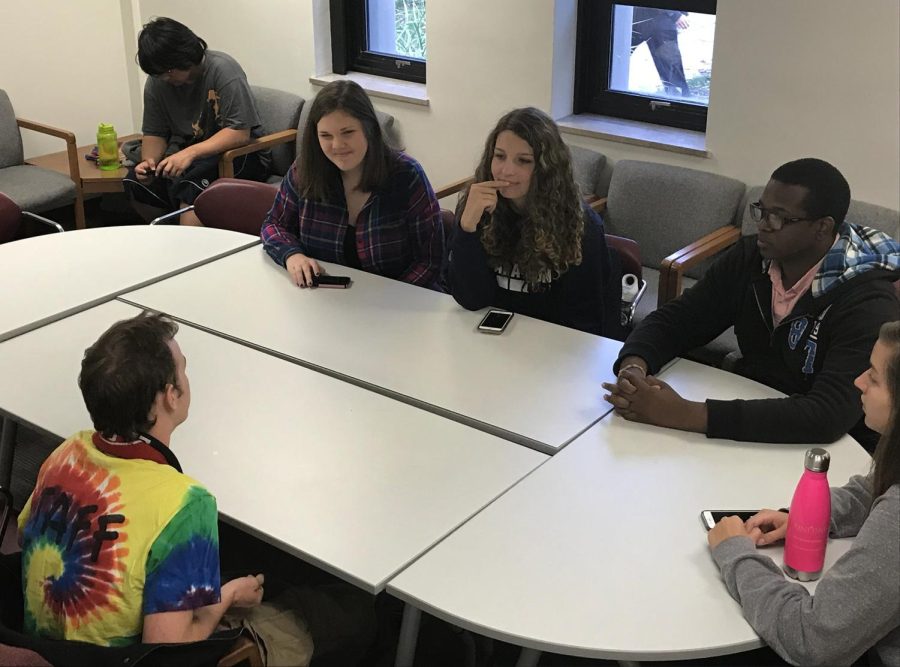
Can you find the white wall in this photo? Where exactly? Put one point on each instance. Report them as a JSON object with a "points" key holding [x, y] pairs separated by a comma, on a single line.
{"points": [[790, 77], [798, 78], [65, 64]]}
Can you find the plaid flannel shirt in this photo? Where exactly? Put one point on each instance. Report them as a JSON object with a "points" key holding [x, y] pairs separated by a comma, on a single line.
{"points": [[398, 232], [857, 250]]}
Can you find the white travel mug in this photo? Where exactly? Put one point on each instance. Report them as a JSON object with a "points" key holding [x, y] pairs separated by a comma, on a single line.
{"points": [[629, 287]]}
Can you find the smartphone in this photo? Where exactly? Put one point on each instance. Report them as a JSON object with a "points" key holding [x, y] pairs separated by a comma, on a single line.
{"points": [[710, 518], [331, 281], [495, 321]]}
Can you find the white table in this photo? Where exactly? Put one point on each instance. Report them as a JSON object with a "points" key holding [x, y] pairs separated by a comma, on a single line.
{"points": [[537, 384], [48, 277], [344, 478], [600, 553]]}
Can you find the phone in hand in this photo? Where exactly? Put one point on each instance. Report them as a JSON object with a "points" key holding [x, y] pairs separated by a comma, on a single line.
{"points": [[495, 321], [340, 282], [710, 518]]}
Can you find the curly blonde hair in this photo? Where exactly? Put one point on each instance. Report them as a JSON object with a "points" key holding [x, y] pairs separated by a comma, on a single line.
{"points": [[545, 240]]}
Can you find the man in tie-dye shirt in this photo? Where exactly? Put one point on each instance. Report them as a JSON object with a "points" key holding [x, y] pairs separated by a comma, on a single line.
{"points": [[118, 545]]}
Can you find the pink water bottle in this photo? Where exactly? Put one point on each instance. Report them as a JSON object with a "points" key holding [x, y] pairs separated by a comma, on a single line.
{"points": [[809, 520]]}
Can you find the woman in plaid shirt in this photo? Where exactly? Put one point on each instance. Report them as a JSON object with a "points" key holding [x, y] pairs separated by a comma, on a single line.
{"points": [[352, 200]]}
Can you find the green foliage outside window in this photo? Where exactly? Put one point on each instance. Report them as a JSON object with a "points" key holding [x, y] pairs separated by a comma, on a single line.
{"points": [[410, 28]]}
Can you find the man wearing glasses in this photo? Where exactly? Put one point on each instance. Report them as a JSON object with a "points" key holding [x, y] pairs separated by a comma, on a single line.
{"points": [[806, 297]]}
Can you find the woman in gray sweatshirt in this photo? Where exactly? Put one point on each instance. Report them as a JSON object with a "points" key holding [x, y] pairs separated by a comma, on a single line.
{"points": [[856, 606]]}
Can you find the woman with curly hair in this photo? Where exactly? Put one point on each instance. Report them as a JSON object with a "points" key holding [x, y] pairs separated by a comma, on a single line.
{"points": [[525, 240], [856, 606], [350, 199]]}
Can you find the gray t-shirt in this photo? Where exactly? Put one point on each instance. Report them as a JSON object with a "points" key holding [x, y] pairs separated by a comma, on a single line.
{"points": [[857, 603], [219, 98]]}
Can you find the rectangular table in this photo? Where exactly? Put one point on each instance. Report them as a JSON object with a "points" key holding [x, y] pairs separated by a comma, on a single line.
{"points": [[537, 384], [600, 553], [47, 277], [344, 478]]}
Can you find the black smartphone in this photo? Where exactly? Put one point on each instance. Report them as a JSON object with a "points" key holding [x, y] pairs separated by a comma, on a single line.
{"points": [[495, 321], [331, 281], [710, 518]]}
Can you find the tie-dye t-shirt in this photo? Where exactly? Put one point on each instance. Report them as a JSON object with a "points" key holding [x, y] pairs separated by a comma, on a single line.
{"points": [[107, 539]]}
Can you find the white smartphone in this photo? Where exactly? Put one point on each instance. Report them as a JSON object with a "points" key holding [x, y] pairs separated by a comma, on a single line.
{"points": [[495, 321], [710, 518]]}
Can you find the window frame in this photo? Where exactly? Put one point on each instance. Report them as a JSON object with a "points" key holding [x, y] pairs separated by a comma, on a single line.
{"points": [[349, 46], [593, 58]]}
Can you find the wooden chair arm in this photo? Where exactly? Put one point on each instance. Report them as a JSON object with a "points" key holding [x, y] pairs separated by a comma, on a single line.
{"points": [[243, 649], [672, 268], [453, 188], [226, 162], [46, 129], [71, 149], [597, 203]]}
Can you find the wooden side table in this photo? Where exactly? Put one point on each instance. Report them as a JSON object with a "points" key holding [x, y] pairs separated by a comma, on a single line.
{"points": [[91, 179]]}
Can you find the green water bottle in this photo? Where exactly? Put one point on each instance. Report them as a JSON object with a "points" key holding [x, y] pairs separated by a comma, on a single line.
{"points": [[107, 147]]}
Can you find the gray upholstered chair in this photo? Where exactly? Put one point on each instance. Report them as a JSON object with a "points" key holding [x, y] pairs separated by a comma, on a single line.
{"points": [[280, 114], [589, 169], [872, 215], [673, 213], [32, 188]]}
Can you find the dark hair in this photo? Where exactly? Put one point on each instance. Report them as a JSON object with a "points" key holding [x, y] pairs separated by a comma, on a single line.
{"points": [[886, 460], [165, 44], [317, 177], [828, 190], [547, 240], [122, 373]]}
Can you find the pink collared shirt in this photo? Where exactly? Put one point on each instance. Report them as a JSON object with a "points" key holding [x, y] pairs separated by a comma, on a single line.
{"points": [[784, 300]]}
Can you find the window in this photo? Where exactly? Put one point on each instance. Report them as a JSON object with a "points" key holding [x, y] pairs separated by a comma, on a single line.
{"points": [[650, 62], [382, 37]]}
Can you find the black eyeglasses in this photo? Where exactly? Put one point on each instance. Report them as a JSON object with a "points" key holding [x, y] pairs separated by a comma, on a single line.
{"points": [[775, 220]]}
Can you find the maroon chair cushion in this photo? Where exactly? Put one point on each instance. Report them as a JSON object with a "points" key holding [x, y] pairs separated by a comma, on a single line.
{"points": [[235, 204], [10, 218], [630, 254], [13, 656]]}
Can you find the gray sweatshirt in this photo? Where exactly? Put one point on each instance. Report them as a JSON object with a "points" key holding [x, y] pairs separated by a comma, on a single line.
{"points": [[856, 606]]}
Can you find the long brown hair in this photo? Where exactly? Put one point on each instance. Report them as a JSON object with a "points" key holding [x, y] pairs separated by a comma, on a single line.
{"points": [[317, 177], [547, 241], [886, 460]]}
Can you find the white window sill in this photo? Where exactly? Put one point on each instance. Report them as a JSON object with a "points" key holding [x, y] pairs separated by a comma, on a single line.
{"points": [[633, 132], [380, 86]]}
